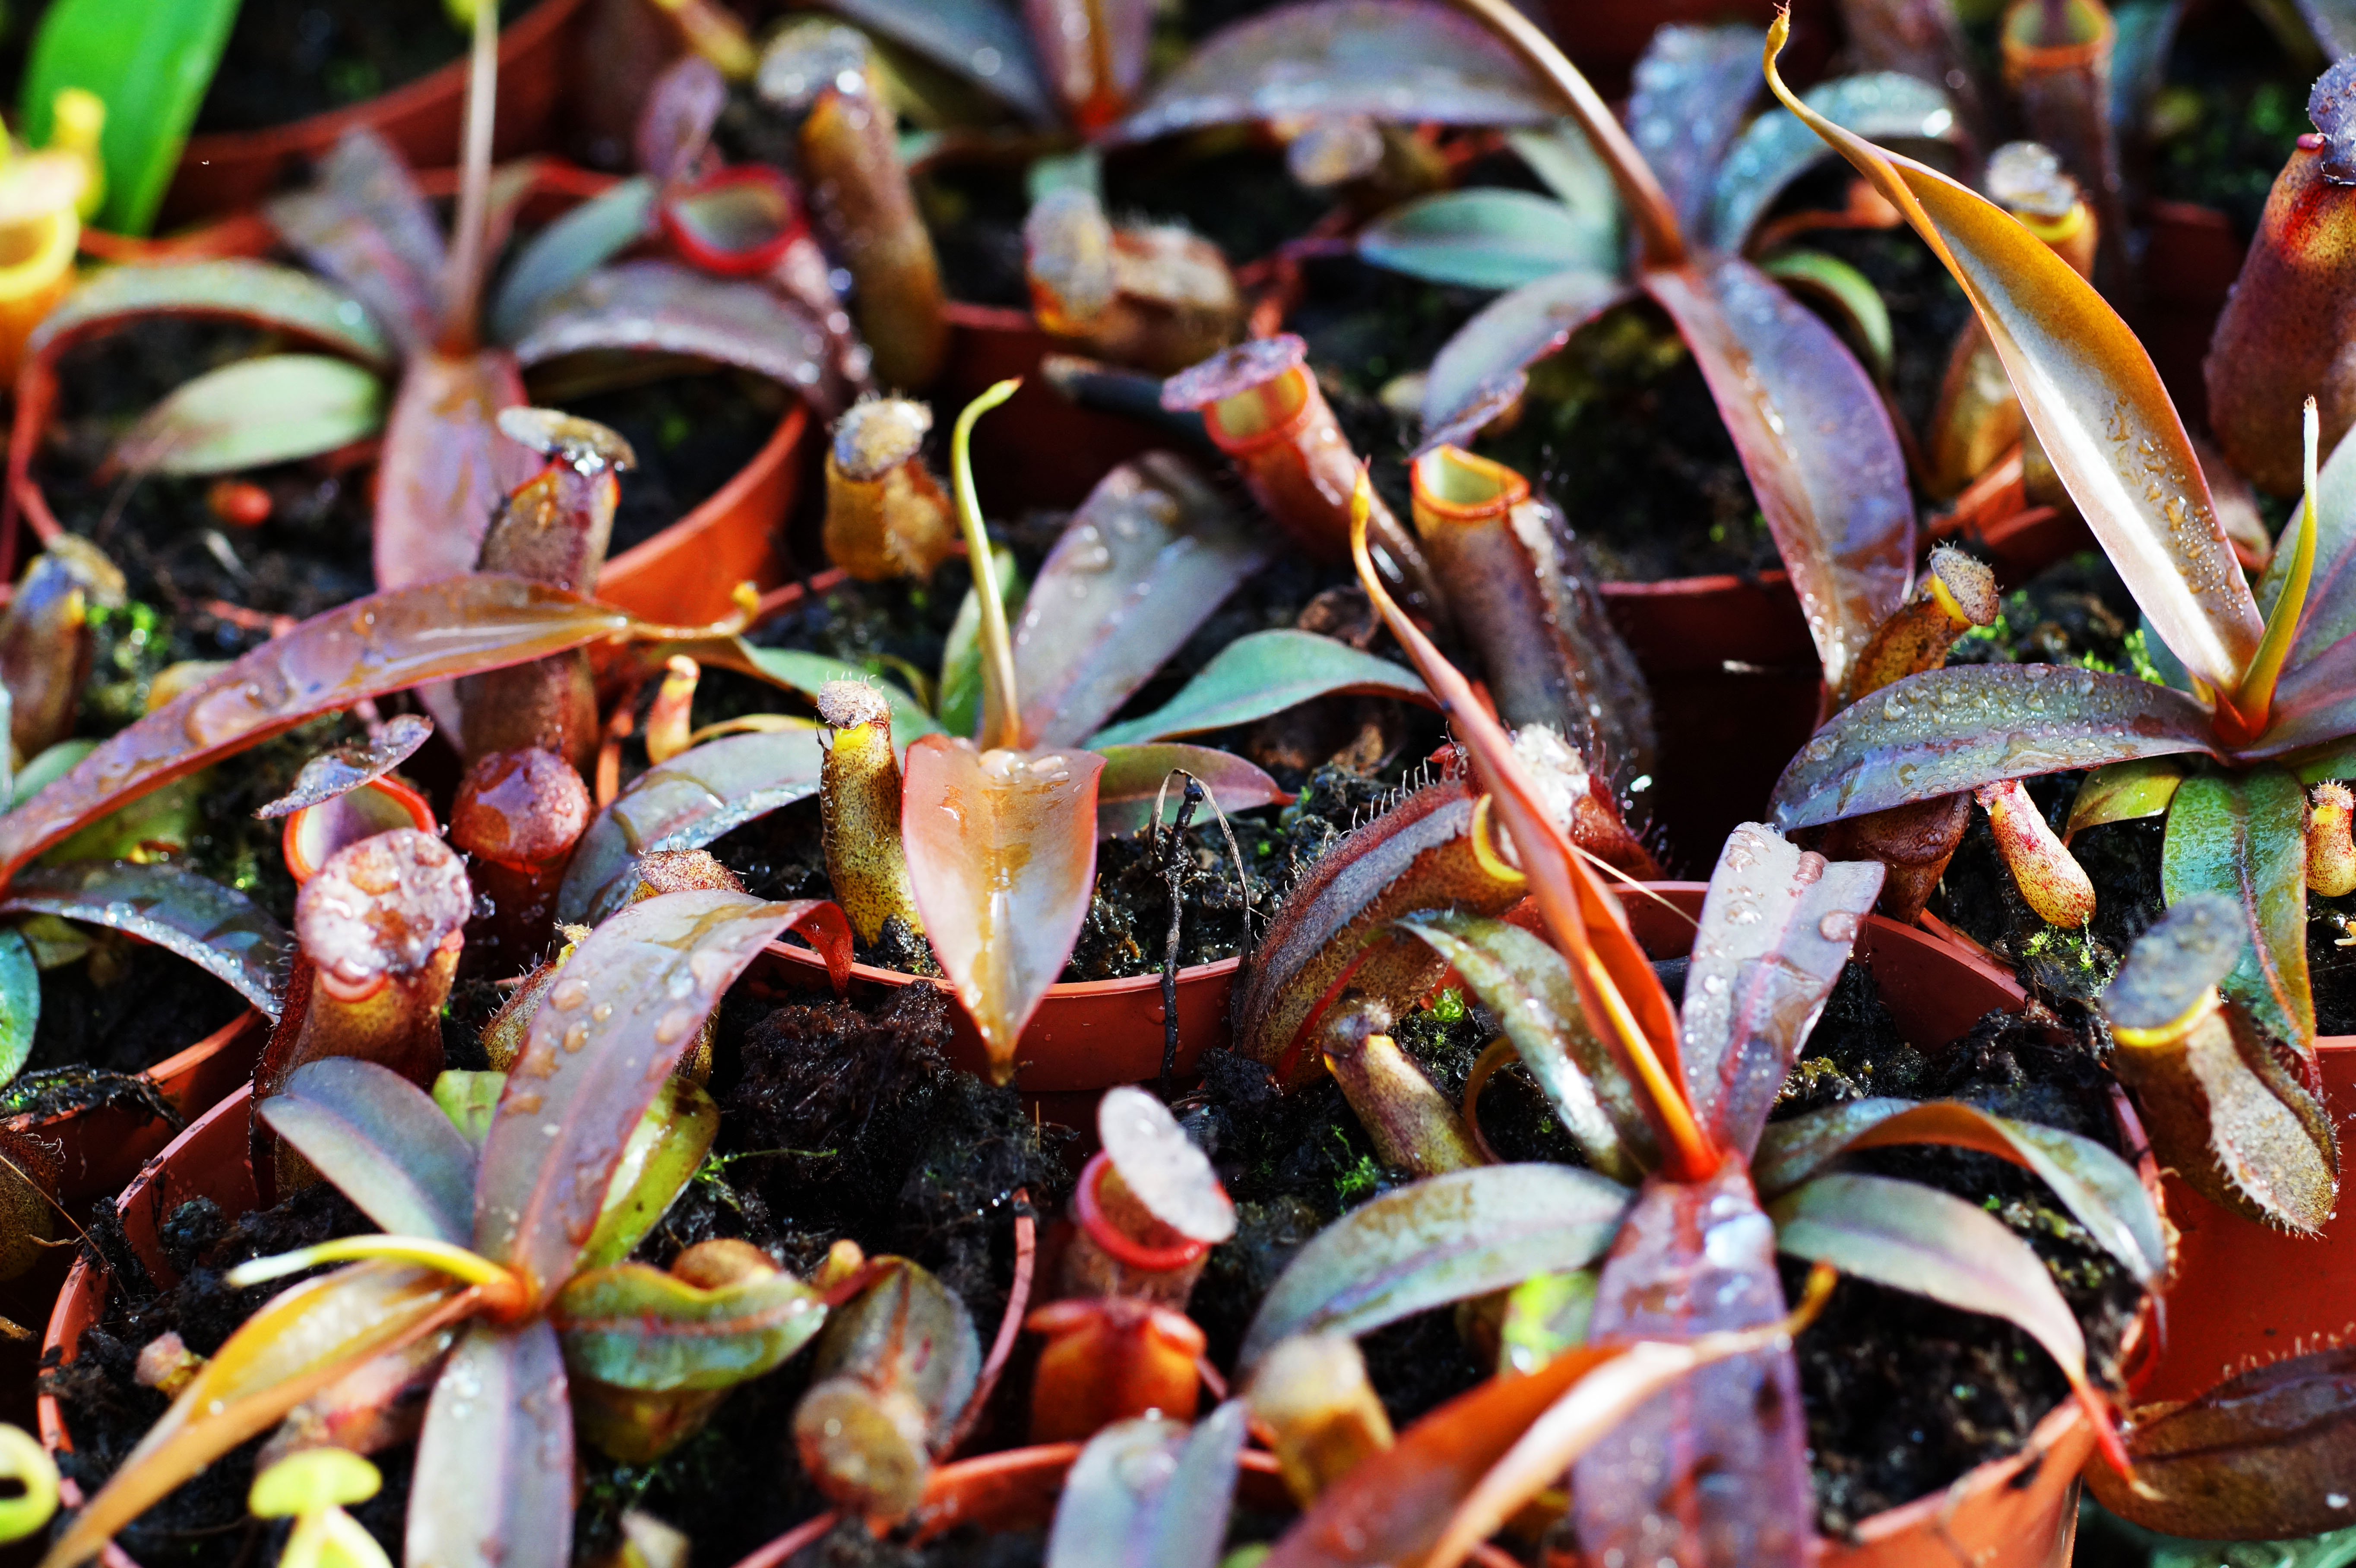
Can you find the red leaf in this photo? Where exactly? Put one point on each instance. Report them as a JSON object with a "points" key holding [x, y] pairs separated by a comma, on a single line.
{"points": [[1001, 849]]}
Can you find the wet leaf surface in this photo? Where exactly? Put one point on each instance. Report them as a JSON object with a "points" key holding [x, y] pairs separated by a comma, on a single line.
{"points": [[2099, 410], [685, 804], [978, 39], [1149, 557], [263, 293], [217, 928], [1509, 334], [370, 648], [1393, 59], [1776, 149], [1949, 729], [1777, 925], [624, 1011], [1814, 440], [1150, 1494], [20, 1007], [1002, 849], [575, 245], [444, 467], [494, 1477], [384, 1143], [1448, 1238], [2245, 835], [365, 224], [661, 1157], [1915, 1239], [2098, 1188], [1693, 87], [250, 414], [2125, 792], [345, 769], [1260, 674]]}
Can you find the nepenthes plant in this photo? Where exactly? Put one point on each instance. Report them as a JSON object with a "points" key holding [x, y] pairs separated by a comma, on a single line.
{"points": [[500, 1272], [418, 344], [2260, 709], [1689, 1191]]}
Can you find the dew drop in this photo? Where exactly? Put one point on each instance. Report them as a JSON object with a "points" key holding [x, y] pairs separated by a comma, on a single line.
{"points": [[1839, 926]]}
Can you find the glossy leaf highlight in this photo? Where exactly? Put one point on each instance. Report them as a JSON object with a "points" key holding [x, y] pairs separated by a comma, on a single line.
{"points": [[1002, 849], [217, 929], [493, 1486], [1949, 729], [1508, 335], [638, 1327], [1776, 149], [369, 647], [1444, 1239], [277, 408], [384, 1143], [624, 1011], [1260, 674], [1487, 238], [1151, 1493], [444, 467], [263, 293]]}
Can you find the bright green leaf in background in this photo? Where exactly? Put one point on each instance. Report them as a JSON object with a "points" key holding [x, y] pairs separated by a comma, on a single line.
{"points": [[151, 61], [275, 408]]}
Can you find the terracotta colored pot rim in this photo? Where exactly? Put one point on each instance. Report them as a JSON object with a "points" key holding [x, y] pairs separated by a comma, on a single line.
{"points": [[1134, 985], [716, 510], [520, 36], [176, 1066]]}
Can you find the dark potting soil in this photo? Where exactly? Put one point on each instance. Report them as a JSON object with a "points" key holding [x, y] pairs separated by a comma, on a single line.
{"points": [[838, 1121], [2225, 122], [692, 434], [975, 211], [287, 59], [125, 1006], [311, 555]]}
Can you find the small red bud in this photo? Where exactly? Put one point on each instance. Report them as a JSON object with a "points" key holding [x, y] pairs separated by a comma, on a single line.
{"points": [[240, 502]]}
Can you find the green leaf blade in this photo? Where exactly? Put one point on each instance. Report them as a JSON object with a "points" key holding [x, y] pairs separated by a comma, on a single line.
{"points": [[1265, 673], [279, 408], [1486, 238], [2245, 835]]}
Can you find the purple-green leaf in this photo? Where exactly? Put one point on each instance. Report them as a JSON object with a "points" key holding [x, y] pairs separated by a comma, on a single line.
{"points": [[1916, 1239], [661, 1156], [1693, 87], [1149, 1493], [217, 928], [370, 648], [1517, 975], [1260, 674], [568, 250], [625, 1007], [493, 1487], [2098, 407], [365, 225], [1448, 1238], [1146, 559], [1508, 333], [347, 768], [277, 408], [685, 804], [978, 39], [1402, 60], [2099, 1188], [1776, 149], [384, 1143], [303, 1340], [1950, 729], [1488, 237], [2245, 835], [638, 1327], [445, 467], [661, 307], [1816, 441], [674, 129], [1777, 925], [261, 293], [1133, 777]]}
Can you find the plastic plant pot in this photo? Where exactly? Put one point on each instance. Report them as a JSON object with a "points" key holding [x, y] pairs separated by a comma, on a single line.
{"points": [[222, 171], [685, 574], [1047, 451], [2245, 1294]]}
